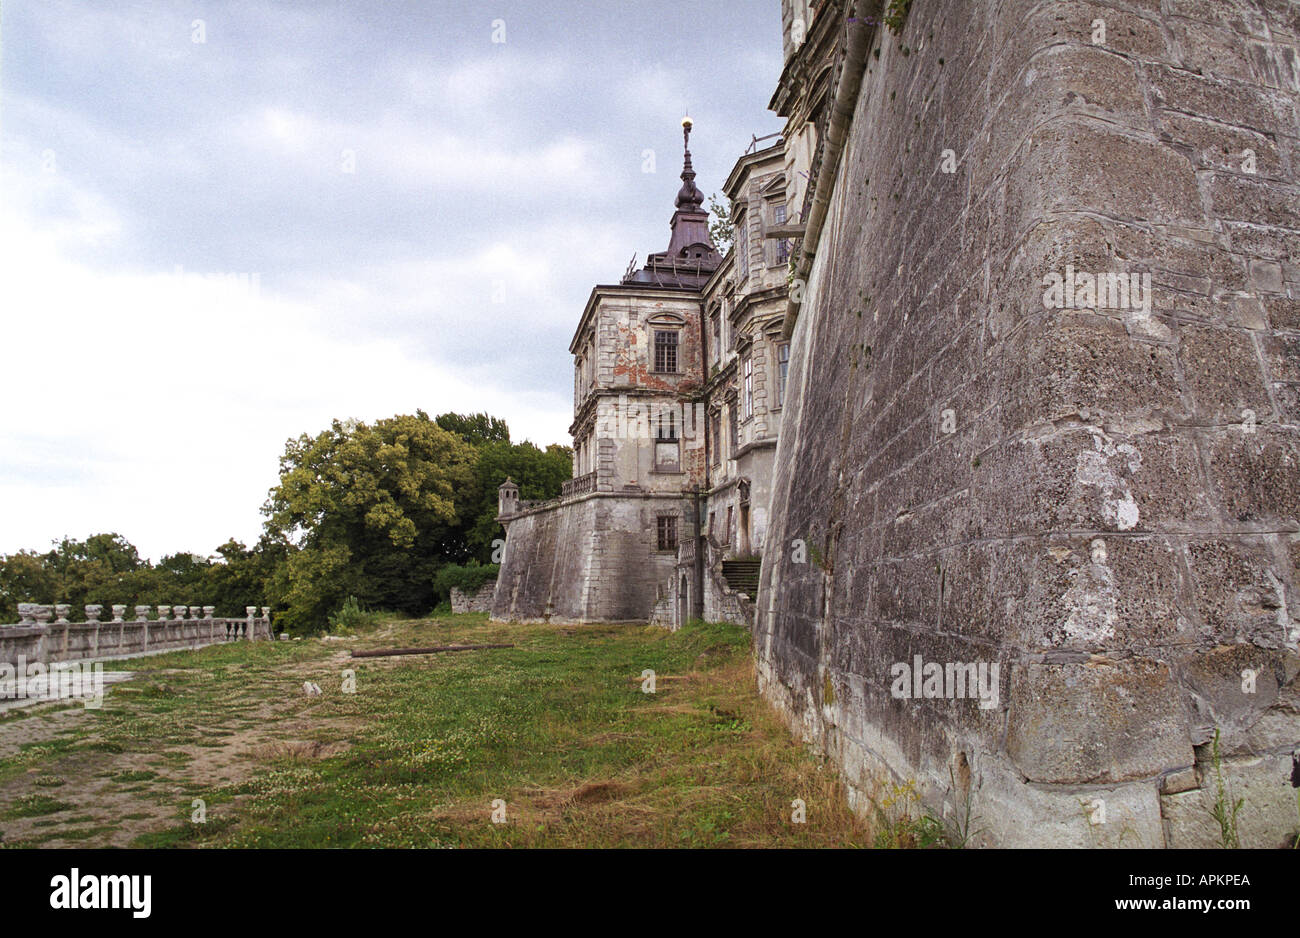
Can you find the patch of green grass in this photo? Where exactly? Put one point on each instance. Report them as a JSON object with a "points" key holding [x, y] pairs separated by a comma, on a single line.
{"points": [[35, 806]]}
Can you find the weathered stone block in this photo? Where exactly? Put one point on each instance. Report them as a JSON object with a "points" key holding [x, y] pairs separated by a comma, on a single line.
{"points": [[1222, 372], [1256, 474], [1104, 720]]}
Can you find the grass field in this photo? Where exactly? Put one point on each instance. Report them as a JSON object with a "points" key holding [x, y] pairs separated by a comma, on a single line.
{"points": [[557, 731]]}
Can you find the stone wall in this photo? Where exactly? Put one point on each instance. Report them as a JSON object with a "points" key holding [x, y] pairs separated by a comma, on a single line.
{"points": [[37, 639], [1099, 499], [473, 602], [588, 559]]}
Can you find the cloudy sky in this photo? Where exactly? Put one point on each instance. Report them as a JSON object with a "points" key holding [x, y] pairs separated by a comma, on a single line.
{"points": [[223, 224]]}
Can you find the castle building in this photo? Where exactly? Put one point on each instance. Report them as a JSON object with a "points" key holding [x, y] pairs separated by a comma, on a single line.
{"points": [[1019, 558], [679, 373]]}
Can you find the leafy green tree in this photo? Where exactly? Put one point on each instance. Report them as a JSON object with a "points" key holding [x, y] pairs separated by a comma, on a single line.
{"points": [[242, 576], [97, 570], [366, 508], [475, 429], [24, 578]]}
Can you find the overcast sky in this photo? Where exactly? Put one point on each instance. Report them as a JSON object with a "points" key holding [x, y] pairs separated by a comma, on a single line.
{"points": [[217, 235]]}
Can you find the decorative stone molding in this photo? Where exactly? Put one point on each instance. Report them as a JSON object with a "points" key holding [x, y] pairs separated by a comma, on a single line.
{"points": [[93, 613], [209, 611], [141, 613], [180, 611], [119, 612], [266, 612], [27, 613], [43, 614], [251, 611], [61, 610], [164, 613]]}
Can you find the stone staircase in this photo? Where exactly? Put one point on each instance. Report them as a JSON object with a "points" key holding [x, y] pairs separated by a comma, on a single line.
{"points": [[742, 576]]}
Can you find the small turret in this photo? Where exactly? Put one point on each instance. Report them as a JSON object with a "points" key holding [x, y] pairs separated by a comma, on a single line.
{"points": [[507, 498]]}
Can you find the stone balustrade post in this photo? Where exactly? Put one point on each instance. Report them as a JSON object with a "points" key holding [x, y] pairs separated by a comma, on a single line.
{"points": [[119, 613], [141, 613], [61, 610], [42, 614], [27, 613], [209, 611], [179, 611], [93, 613]]}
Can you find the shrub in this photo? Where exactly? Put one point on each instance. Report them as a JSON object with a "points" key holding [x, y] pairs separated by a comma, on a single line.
{"points": [[468, 578], [896, 14], [351, 617]]}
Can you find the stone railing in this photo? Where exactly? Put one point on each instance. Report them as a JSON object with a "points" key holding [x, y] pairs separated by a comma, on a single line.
{"points": [[37, 638], [579, 486], [686, 550]]}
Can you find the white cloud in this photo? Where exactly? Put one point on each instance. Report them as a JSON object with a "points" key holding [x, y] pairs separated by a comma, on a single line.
{"points": [[157, 405]]}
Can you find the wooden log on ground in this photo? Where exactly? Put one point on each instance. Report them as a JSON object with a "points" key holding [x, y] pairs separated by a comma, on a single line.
{"points": [[393, 652]]}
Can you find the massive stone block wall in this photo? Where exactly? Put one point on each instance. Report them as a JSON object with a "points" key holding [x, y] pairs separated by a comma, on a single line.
{"points": [[590, 559], [1103, 502]]}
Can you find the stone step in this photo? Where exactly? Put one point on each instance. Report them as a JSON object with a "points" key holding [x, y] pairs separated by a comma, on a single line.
{"points": [[742, 575]]}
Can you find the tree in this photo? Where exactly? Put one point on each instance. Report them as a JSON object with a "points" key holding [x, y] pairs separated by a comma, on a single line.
{"points": [[721, 227], [99, 569], [241, 576], [24, 578], [365, 508], [475, 429]]}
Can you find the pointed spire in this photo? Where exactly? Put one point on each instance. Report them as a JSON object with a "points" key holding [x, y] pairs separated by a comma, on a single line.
{"points": [[689, 198]]}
